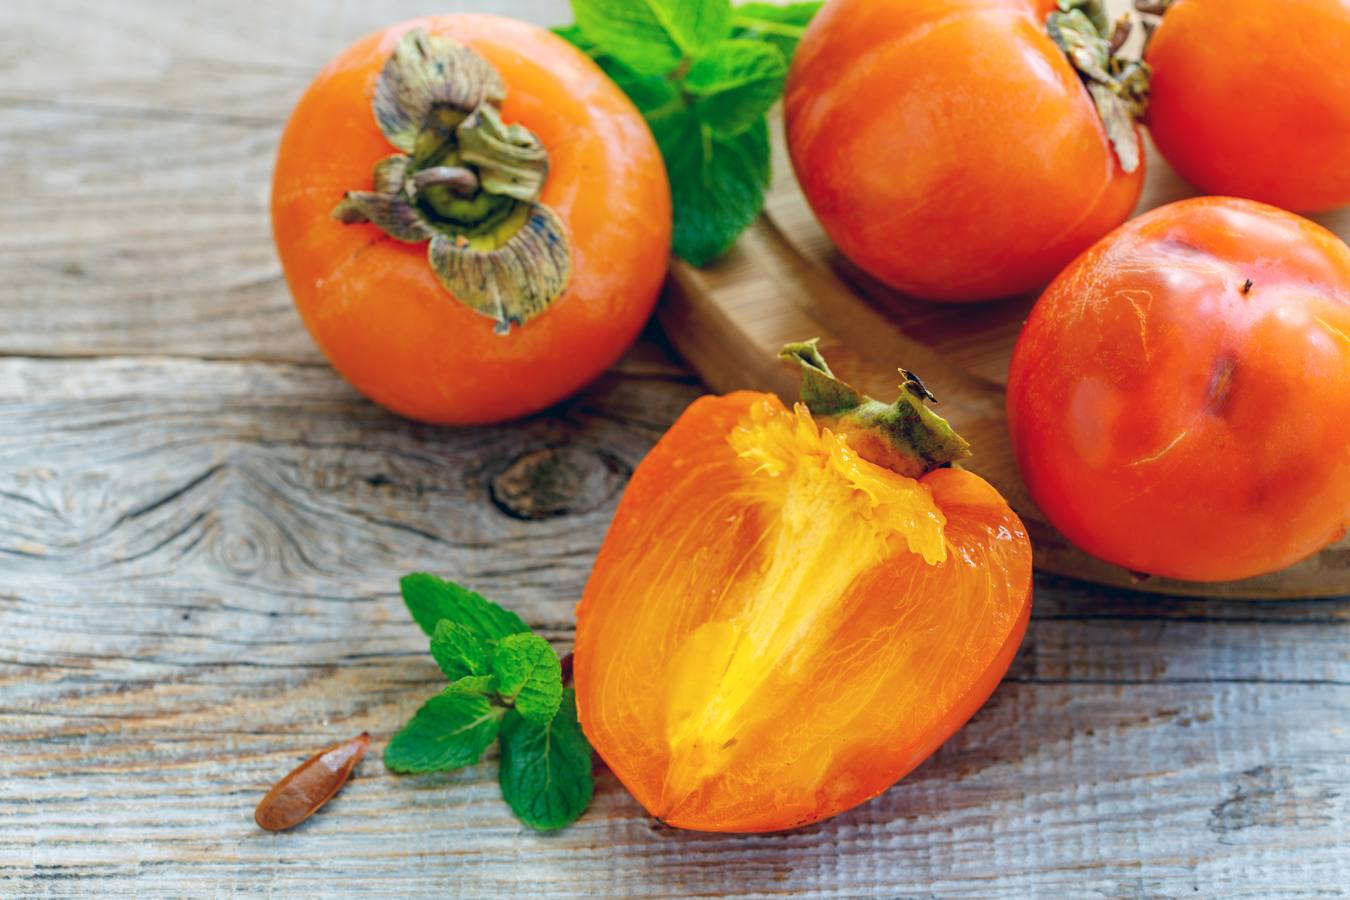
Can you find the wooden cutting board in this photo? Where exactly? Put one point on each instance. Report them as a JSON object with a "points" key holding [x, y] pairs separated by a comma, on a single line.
{"points": [[784, 281]]}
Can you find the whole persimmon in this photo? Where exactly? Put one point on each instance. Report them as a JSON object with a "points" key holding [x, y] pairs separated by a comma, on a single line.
{"points": [[951, 149], [794, 607], [1180, 397], [1251, 98], [473, 219]]}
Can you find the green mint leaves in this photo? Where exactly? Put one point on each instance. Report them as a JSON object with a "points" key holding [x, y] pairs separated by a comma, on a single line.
{"points": [[458, 650], [539, 767], [506, 685], [704, 74], [653, 36], [529, 677], [450, 731], [430, 599]]}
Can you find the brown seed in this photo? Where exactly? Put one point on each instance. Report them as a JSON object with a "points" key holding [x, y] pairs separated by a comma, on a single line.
{"points": [[300, 794]]}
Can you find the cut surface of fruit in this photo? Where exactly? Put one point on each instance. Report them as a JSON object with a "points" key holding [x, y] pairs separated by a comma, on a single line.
{"points": [[778, 629]]}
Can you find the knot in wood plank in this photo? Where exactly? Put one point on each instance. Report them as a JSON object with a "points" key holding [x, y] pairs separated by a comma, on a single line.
{"points": [[558, 481]]}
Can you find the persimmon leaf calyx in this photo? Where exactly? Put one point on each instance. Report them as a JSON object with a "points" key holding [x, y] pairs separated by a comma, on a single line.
{"points": [[466, 182]]}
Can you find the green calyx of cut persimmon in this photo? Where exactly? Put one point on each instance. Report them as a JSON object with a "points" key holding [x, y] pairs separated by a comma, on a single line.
{"points": [[905, 436], [1119, 86], [466, 182]]}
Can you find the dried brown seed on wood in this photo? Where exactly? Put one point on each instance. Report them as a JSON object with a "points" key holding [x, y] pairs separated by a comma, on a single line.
{"points": [[313, 783]]}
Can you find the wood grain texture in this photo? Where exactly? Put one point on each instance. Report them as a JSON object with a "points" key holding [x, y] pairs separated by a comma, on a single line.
{"points": [[202, 528], [200, 565]]}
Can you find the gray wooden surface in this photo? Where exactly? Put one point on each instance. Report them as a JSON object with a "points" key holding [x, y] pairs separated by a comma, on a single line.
{"points": [[201, 531]]}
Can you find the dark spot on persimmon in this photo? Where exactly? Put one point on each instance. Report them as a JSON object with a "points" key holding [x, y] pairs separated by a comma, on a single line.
{"points": [[1247, 287], [1220, 383], [1178, 244]]}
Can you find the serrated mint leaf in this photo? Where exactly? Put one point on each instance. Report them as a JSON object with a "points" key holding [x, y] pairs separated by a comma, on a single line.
{"points": [[717, 183], [648, 92], [736, 82], [782, 26], [545, 770], [449, 731], [458, 650], [576, 37], [529, 676], [481, 685], [431, 599], [652, 37]]}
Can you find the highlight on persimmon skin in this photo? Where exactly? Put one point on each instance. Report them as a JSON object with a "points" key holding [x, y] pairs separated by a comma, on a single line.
{"points": [[1251, 98], [948, 147], [1179, 399], [373, 303], [777, 629]]}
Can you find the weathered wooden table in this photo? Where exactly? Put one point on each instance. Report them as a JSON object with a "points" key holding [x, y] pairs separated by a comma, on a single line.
{"points": [[202, 527]]}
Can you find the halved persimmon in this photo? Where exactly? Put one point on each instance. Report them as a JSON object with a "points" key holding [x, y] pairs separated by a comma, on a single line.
{"points": [[793, 609]]}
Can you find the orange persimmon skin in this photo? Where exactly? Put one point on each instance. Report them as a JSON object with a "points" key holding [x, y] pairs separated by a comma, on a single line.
{"points": [[1170, 418], [1251, 98], [948, 148], [373, 304], [896, 665]]}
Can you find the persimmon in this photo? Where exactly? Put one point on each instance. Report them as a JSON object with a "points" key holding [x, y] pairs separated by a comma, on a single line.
{"points": [[1251, 98], [951, 149], [1180, 397], [473, 219], [793, 608]]}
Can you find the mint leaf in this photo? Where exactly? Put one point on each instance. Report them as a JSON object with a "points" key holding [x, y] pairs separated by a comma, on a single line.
{"points": [[449, 731], [431, 599], [652, 37], [717, 183], [648, 92], [576, 37], [781, 26], [736, 82], [545, 770], [482, 685], [458, 650], [529, 676]]}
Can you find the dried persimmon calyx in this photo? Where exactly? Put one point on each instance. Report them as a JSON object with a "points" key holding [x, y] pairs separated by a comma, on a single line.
{"points": [[467, 183], [1118, 86]]}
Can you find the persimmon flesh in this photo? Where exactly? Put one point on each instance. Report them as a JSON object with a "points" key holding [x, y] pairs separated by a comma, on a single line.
{"points": [[778, 629]]}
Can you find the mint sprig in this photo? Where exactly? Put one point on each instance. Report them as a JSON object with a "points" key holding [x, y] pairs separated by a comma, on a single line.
{"points": [[506, 684], [539, 766], [704, 74]]}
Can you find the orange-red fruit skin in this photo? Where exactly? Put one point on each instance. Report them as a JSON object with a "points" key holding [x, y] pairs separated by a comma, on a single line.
{"points": [[1251, 98], [373, 304], [948, 148], [890, 670], [1169, 418]]}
